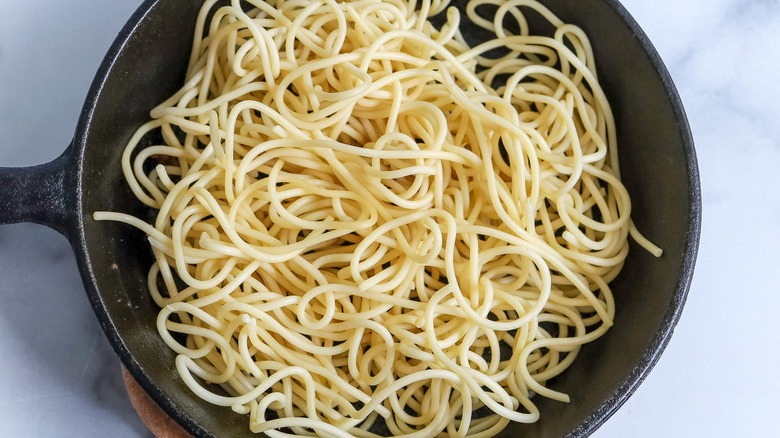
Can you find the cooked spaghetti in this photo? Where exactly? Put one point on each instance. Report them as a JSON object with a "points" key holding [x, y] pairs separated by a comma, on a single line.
{"points": [[365, 224]]}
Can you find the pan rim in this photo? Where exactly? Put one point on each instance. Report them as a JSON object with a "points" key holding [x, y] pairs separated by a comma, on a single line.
{"points": [[79, 240], [596, 419]]}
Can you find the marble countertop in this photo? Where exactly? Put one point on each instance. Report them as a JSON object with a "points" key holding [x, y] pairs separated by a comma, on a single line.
{"points": [[60, 377]]}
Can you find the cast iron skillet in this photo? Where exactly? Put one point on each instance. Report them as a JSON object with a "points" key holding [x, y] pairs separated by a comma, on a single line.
{"points": [[147, 63]]}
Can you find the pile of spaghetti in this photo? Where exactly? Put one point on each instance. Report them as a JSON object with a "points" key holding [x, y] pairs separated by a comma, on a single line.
{"points": [[366, 224]]}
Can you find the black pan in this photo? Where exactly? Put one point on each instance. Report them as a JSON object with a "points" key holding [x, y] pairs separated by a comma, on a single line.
{"points": [[147, 63]]}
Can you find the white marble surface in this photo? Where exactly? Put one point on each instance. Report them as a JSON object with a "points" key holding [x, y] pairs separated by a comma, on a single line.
{"points": [[60, 378]]}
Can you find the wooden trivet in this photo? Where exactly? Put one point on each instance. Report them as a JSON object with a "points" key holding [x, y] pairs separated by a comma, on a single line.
{"points": [[161, 425]]}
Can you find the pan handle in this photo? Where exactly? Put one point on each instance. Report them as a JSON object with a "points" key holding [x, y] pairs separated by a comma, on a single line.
{"points": [[40, 194]]}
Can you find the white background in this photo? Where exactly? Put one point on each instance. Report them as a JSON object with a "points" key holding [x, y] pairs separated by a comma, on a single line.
{"points": [[60, 378]]}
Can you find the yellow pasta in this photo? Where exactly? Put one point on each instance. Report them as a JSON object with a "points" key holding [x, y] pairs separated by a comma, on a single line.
{"points": [[366, 226]]}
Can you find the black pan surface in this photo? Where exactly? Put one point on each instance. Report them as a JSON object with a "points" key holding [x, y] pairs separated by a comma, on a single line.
{"points": [[147, 63]]}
